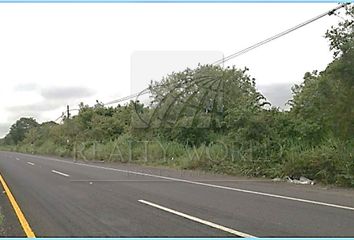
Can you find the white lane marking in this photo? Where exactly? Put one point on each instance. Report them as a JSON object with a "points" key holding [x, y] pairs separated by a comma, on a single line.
{"points": [[60, 173], [31, 163], [206, 184], [195, 219], [17, 159], [160, 181]]}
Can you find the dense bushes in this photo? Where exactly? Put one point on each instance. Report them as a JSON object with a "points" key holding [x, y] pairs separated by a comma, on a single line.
{"points": [[214, 119], [330, 163]]}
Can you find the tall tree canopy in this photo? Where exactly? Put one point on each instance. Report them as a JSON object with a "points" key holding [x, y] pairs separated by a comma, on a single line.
{"points": [[19, 130], [325, 99]]}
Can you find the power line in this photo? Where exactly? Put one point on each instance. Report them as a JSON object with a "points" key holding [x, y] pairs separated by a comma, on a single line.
{"points": [[239, 53], [256, 45], [61, 116], [143, 92], [225, 59]]}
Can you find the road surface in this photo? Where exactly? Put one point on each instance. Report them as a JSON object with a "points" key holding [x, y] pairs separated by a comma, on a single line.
{"points": [[62, 198]]}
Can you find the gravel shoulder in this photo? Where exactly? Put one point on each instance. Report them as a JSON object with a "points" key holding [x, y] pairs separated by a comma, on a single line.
{"points": [[9, 224]]}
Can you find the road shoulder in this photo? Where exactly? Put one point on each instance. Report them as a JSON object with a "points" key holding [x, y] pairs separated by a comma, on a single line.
{"points": [[10, 226]]}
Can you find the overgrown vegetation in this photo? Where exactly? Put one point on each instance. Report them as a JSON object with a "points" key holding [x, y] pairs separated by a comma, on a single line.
{"points": [[213, 118]]}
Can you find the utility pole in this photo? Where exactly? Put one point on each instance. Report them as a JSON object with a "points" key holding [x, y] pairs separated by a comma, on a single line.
{"points": [[67, 111]]}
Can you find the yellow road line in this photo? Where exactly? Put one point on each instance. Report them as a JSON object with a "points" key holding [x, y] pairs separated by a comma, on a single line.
{"points": [[25, 225]]}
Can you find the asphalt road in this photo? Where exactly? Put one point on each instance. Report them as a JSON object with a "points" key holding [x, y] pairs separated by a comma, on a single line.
{"points": [[9, 224], [62, 198]]}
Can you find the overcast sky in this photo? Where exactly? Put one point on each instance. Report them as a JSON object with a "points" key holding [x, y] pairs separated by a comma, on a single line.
{"points": [[52, 55]]}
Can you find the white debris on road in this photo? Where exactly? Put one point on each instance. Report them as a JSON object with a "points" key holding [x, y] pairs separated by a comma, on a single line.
{"points": [[301, 180]]}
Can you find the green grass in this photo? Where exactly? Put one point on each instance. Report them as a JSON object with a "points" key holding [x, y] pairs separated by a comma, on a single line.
{"points": [[329, 163]]}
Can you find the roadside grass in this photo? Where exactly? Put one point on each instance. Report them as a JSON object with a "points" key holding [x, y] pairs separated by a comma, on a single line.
{"points": [[330, 163]]}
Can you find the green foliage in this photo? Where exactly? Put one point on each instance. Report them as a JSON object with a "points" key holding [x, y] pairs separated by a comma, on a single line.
{"points": [[214, 119], [195, 104], [19, 129], [331, 163], [341, 37], [325, 100]]}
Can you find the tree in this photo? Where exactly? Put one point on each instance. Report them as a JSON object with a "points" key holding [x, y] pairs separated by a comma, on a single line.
{"points": [[341, 37], [196, 102], [325, 100], [20, 129]]}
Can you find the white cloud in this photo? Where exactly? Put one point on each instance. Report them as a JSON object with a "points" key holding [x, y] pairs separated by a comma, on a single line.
{"points": [[90, 45]]}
